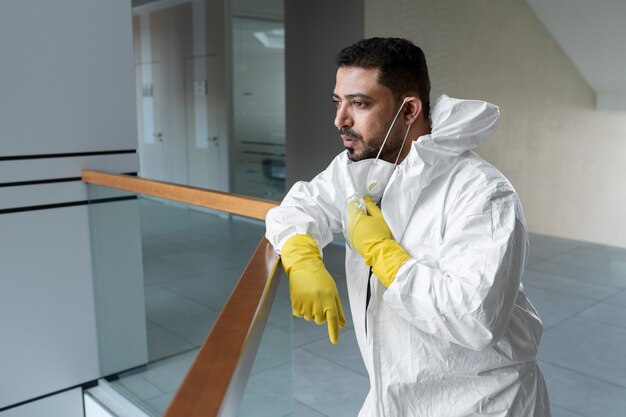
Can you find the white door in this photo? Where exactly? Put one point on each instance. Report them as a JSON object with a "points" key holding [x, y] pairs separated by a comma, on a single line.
{"points": [[149, 120], [203, 140]]}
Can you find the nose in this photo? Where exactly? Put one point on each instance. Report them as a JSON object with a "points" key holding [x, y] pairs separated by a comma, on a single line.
{"points": [[343, 117]]}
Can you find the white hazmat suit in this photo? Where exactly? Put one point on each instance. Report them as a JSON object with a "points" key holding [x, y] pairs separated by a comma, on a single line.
{"points": [[454, 334]]}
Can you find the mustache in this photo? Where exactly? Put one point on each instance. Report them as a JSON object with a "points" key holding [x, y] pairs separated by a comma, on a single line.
{"points": [[346, 131]]}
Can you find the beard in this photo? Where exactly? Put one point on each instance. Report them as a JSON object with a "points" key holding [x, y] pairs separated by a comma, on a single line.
{"points": [[370, 147]]}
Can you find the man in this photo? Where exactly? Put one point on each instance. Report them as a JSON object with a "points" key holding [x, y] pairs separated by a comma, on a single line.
{"points": [[433, 275]]}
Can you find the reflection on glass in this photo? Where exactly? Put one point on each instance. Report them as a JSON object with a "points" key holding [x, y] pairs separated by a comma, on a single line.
{"points": [[181, 102], [118, 279], [259, 107]]}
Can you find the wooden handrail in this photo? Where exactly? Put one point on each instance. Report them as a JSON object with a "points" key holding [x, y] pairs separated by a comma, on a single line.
{"points": [[214, 385], [216, 380], [255, 208]]}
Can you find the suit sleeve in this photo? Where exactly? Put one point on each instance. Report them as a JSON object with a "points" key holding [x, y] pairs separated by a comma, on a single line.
{"points": [[314, 208], [468, 294]]}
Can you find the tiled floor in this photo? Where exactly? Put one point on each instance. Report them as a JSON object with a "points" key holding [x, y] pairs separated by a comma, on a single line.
{"points": [[578, 288]]}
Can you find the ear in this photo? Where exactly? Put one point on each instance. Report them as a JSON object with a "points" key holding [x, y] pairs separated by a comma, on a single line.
{"points": [[412, 110]]}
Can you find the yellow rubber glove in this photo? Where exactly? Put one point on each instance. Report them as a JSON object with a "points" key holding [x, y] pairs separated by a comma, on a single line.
{"points": [[369, 235], [313, 291]]}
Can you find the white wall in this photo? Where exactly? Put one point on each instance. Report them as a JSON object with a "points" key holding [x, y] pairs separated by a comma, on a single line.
{"points": [[65, 404], [564, 158], [66, 104], [58, 61]]}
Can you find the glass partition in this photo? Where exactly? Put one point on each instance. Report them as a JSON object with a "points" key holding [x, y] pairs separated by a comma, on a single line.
{"points": [[269, 392], [258, 107], [162, 273]]}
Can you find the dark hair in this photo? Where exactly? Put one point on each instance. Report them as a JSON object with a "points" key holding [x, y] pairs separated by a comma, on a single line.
{"points": [[401, 63]]}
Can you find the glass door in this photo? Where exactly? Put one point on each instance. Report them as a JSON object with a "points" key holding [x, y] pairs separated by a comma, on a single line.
{"points": [[258, 107]]}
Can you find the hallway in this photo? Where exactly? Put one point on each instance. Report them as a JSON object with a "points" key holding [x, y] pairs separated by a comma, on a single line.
{"points": [[578, 288]]}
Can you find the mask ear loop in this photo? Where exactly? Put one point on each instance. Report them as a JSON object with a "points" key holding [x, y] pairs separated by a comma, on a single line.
{"points": [[391, 127], [403, 141], [359, 201]]}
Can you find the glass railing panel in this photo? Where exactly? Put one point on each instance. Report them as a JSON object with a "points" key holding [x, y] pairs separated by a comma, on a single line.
{"points": [[329, 380], [162, 273], [269, 391]]}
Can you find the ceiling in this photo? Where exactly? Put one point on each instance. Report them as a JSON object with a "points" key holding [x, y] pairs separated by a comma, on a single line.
{"points": [[593, 35]]}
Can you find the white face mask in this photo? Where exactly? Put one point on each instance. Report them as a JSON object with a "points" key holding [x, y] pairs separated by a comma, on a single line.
{"points": [[370, 177]]}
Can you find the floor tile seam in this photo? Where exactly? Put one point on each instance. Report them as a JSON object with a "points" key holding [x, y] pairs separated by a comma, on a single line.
{"points": [[579, 372], [272, 367], [602, 322], [213, 309], [156, 325], [232, 263], [534, 285], [161, 237], [180, 241], [611, 286], [613, 303], [311, 406], [191, 342], [337, 363], [567, 252], [572, 411], [597, 252], [180, 294], [346, 327], [162, 259], [287, 327], [163, 234], [307, 405], [325, 337], [554, 275], [199, 275], [181, 338], [275, 327], [577, 314], [605, 299], [169, 323], [558, 255], [162, 243], [156, 363], [593, 273]]}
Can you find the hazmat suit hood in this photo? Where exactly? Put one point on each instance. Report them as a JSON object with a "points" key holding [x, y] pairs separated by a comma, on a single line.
{"points": [[458, 126]]}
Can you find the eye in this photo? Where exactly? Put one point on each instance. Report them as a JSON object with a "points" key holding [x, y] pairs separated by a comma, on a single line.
{"points": [[336, 103], [359, 104]]}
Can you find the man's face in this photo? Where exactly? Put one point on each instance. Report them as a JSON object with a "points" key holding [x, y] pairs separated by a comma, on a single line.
{"points": [[365, 110]]}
